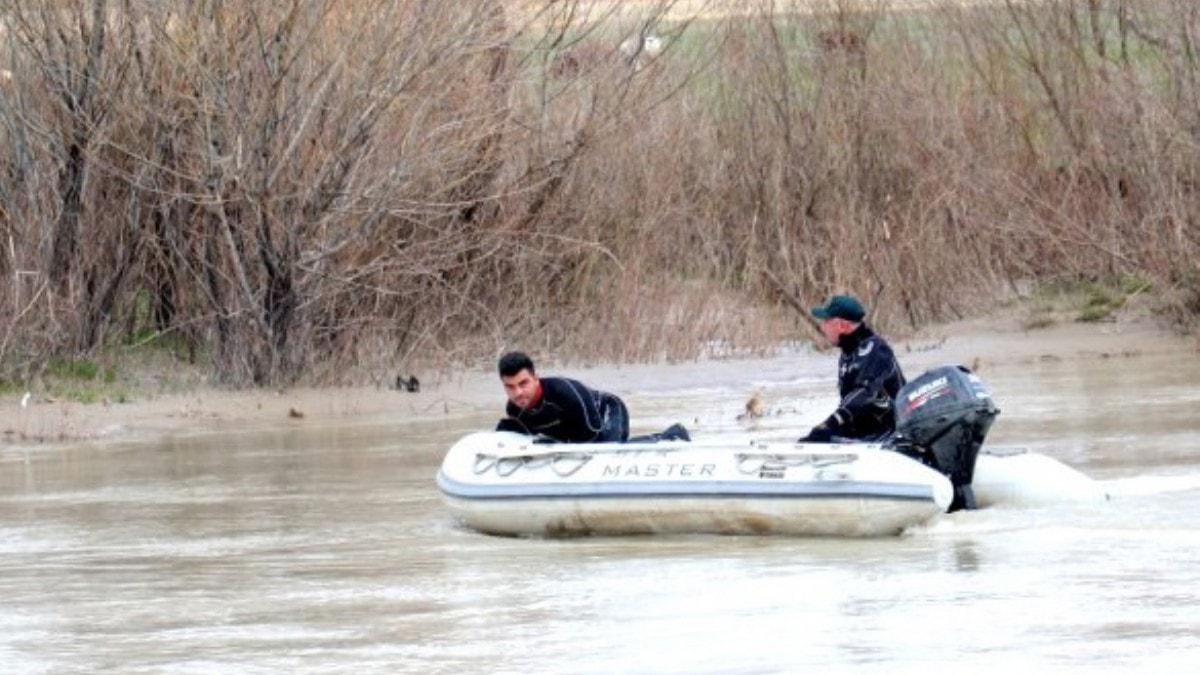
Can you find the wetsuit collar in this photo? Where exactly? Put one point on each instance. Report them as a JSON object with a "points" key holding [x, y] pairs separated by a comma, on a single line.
{"points": [[850, 341]]}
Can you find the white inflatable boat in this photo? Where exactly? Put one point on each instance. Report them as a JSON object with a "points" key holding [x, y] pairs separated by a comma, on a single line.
{"points": [[504, 483]]}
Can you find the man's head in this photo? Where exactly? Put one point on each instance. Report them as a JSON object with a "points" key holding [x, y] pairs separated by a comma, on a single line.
{"points": [[840, 316], [520, 380]]}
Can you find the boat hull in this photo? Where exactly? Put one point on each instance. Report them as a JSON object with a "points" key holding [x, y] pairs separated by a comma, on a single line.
{"points": [[832, 517], [504, 484]]}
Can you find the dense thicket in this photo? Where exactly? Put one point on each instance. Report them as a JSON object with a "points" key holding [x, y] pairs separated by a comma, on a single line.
{"points": [[320, 189]]}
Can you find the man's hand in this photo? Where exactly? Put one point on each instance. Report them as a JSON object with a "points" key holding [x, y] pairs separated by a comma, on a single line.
{"points": [[510, 424], [819, 434]]}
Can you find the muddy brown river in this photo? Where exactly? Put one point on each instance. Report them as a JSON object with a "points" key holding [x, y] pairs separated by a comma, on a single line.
{"points": [[328, 550]]}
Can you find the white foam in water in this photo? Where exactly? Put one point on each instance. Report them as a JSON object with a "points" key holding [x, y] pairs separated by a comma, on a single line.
{"points": [[1137, 486], [1027, 479]]}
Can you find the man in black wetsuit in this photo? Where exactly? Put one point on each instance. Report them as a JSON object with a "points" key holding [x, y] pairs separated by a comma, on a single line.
{"points": [[557, 407], [868, 376]]}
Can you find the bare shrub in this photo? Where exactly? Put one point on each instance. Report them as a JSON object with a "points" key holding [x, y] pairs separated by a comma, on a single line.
{"points": [[327, 190]]}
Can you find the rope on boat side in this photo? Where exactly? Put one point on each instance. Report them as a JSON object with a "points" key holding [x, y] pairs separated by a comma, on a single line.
{"points": [[564, 464], [777, 462]]}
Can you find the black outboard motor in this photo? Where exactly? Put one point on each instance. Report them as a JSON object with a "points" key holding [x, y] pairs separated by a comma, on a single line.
{"points": [[942, 418]]}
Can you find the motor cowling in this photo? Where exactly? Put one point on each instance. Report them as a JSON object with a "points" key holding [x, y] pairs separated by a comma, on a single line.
{"points": [[942, 418]]}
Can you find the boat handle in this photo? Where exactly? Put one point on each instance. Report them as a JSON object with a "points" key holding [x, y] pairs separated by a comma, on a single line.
{"points": [[481, 458], [742, 458], [776, 462], [581, 457], [506, 466]]}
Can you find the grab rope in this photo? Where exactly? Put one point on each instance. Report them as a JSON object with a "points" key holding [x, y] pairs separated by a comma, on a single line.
{"points": [[776, 462], [564, 464]]}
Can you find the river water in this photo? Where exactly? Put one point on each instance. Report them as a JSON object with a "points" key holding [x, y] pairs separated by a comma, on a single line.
{"points": [[327, 550]]}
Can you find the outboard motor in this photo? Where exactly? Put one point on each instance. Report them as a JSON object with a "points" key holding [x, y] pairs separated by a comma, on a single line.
{"points": [[942, 418]]}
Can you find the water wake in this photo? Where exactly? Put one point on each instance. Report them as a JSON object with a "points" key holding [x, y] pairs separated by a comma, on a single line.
{"points": [[1139, 486]]}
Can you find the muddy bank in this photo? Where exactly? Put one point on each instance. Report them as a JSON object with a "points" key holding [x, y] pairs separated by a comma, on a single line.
{"points": [[980, 343]]}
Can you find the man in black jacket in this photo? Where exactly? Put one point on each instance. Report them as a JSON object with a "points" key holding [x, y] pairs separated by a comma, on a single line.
{"points": [[557, 407], [868, 376]]}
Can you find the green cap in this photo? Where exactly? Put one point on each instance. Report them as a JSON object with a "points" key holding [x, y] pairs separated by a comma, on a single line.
{"points": [[841, 307]]}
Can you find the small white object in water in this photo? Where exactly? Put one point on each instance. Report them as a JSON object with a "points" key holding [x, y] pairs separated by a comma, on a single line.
{"points": [[25, 400]]}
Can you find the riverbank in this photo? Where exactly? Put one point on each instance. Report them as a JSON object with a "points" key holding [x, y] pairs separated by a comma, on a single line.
{"points": [[1002, 338]]}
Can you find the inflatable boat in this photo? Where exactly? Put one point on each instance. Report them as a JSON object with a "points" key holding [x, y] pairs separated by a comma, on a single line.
{"points": [[511, 484], [505, 483]]}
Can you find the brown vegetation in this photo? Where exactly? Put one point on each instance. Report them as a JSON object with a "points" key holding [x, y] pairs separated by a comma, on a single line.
{"points": [[323, 190]]}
